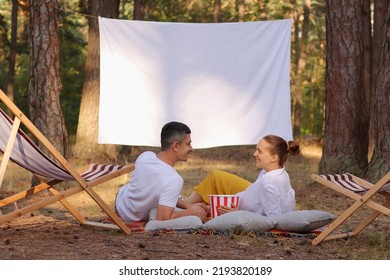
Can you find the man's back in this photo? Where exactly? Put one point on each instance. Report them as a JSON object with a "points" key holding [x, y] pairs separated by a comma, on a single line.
{"points": [[153, 182]]}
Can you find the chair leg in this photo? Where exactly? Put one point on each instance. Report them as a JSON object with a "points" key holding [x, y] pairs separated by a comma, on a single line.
{"points": [[341, 219], [336, 223], [42, 203], [23, 194], [370, 218], [69, 207], [108, 210], [42, 186]]}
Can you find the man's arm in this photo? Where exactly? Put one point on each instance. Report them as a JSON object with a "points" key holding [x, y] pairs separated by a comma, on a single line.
{"points": [[182, 204]]}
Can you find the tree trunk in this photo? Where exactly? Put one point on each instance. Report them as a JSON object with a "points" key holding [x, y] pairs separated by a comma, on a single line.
{"points": [[217, 11], [122, 9], [376, 43], [12, 53], [45, 82], [240, 9], [262, 10], [346, 118], [139, 10], [367, 49], [300, 67], [139, 14], [379, 13], [380, 162], [87, 130]]}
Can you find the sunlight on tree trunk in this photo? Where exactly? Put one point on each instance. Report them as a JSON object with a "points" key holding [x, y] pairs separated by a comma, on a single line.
{"points": [[301, 55], [12, 52]]}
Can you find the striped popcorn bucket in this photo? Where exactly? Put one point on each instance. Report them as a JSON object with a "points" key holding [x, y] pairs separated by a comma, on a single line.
{"points": [[216, 201]]}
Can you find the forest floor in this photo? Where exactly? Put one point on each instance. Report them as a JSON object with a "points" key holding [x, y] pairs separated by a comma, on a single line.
{"points": [[52, 234]]}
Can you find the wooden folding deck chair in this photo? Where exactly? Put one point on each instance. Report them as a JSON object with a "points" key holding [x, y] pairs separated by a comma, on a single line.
{"points": [[18, 147], [363, 193]]}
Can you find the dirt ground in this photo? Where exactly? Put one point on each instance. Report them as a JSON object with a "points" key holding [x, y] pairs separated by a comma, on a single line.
{"points": [[45, 238], [51, 233]]}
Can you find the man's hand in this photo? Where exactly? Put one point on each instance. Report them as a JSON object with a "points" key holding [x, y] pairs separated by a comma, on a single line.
{"points": [[198, 209]]}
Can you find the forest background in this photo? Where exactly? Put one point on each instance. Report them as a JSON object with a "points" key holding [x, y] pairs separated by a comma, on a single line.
{"points": [[339, 97]]}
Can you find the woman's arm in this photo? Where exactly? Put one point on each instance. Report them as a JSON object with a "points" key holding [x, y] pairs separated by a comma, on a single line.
{"points": [[271, 201]]}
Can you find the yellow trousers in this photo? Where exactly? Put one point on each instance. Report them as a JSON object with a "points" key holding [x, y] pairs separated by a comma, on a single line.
{"points": [[221, 182]]}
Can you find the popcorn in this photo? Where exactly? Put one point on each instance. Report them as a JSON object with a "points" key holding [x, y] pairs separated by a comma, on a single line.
{"points": [[216, 201]]}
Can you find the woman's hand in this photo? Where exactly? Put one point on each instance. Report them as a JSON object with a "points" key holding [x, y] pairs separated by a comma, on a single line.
{"points": [[225, 209]]}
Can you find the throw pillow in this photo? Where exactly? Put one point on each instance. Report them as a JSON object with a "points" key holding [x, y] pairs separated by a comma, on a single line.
{"points": [[303, 221], [242, 220]]}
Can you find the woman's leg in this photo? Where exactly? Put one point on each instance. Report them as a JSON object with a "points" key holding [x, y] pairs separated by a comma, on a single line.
{"points": [[217, 182]]}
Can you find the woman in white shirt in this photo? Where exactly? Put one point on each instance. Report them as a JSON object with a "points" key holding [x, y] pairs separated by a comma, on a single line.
{"points": [[270, 195]]}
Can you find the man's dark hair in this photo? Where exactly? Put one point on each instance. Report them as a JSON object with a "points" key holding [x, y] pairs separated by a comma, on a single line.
{"points": [[171, 132]]}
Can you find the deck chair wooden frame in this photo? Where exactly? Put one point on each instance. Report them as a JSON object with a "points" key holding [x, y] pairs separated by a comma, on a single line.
{"points": [[86, 177], [363, 193]]}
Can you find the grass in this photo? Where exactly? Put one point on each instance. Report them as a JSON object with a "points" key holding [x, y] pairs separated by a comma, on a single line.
{"points": [[372, 243]]}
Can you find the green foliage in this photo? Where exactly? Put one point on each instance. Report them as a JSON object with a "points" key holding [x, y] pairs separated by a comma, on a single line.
{"points": [[22, 59], [279, 9], [21, 82]]}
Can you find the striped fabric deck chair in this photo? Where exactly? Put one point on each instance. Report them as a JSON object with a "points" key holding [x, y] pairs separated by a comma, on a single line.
{"points": [[18, 147], [363, 193]]}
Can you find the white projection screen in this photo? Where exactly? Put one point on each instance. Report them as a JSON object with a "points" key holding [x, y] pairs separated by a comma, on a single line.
{"points": [[229, 82]]}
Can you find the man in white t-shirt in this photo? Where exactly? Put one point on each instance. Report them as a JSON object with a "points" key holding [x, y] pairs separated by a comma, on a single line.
{"points": [[156, 184]]}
